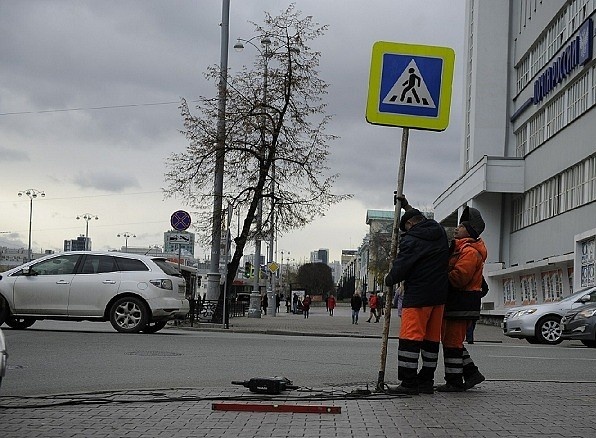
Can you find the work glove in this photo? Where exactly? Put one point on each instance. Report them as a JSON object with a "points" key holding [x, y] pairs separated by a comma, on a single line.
{"points": [[404, 203]]}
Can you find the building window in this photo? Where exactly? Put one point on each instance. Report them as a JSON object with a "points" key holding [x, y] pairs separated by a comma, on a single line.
{"points": [[523, 73], [577, 12], [589, 189], [588, 263], [554, 115], [536, 131], [570, 189], [555, 36], [552, 285], [529, 294], [577, 99], [508, 292], [521, 140]]}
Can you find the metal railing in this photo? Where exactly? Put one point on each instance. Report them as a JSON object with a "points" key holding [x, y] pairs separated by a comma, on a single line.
{"points": [[206, 311]]}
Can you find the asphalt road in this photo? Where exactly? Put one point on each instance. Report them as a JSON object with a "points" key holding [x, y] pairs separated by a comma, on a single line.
{"points": [[63, 357]]}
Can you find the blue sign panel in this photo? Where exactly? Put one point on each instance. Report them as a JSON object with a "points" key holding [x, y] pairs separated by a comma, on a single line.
{"points": [[180, 220], [410, 85]]}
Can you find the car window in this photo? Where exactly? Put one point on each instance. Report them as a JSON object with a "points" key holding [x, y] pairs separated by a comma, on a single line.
{"points": [[97, 264], [168, 268], [60, 265], [125, 264]]}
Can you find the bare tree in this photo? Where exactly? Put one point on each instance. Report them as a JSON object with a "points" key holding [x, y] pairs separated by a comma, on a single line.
{"points": [[379, 255], [282, 129]]}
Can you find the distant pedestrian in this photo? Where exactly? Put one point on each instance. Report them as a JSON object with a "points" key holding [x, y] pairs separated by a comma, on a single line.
{"points": [[372, 304], [264, 303], [288, 304], [398, 299], [364, 302], [331, 304], [295, 303], [380, 306], [470, 332], [306, 305], [356, 304], [277, 301]]}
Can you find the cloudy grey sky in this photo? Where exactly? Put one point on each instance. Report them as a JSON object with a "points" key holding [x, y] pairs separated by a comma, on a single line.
{"points": [[89, 94]]}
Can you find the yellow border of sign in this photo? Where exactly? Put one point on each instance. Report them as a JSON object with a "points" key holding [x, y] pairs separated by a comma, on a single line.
{"points": [[374, 116]]}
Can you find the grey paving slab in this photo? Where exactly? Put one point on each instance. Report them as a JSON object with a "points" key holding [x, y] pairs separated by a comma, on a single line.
{"points": [[494, 409]]}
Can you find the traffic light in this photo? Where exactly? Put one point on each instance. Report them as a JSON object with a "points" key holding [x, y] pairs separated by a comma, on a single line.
{"points": [[247, 270]]}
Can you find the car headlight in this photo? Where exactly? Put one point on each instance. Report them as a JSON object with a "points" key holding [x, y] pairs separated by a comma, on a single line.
{"points": [[162, 283], [585, 314], [524, 312]]}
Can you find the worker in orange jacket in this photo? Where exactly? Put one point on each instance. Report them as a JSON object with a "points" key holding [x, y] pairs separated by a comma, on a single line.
{"points": [[466, 263]]}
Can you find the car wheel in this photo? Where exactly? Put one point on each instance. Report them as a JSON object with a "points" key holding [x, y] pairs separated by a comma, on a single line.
{"points": [[154, 327], [129, 315], [533, 340], [548, 330], [591, 344], [3, 310], [19, 323]]}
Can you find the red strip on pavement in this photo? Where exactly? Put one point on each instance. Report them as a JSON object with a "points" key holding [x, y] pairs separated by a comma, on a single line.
{"points": [[306, 409]]}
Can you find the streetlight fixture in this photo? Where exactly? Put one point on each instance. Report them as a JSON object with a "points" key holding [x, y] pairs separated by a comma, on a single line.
{"points": [[87, 217], [239, 46], [126, 235], [32, 194]]}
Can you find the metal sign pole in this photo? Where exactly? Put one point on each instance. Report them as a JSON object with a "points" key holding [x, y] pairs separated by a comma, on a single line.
{"points": [[394, 241], [179, 254]]}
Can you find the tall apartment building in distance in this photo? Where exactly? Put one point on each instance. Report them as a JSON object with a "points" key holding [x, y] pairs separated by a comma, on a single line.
{"points": [[319, 256], [528, 156], [81, 243]]}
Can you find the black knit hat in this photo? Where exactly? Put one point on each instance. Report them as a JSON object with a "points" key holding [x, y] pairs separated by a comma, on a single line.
{"points": [[472, 220], [407, 216]]}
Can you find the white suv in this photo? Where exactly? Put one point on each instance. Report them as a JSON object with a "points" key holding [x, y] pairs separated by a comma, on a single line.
{"points": [[136, 293]]}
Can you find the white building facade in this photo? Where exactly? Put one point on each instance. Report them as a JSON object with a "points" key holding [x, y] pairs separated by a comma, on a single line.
{"points": [[528, 159]]}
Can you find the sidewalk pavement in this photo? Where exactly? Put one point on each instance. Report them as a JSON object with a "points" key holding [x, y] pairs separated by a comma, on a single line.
{"points": [[492, 409], [320, 323]]}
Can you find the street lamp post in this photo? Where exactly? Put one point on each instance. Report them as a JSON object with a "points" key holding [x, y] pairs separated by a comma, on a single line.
{"points": [[87, 217], [32, 194], [126, 235], [239, 46], [281, 278], [213, 277]]}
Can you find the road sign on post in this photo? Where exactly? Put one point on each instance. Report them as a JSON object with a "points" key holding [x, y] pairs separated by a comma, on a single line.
{"points": [[180, 220], [410, 86]]}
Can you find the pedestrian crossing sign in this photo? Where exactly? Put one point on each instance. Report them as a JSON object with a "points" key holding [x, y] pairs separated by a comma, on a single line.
{"points": [[410, 86]]}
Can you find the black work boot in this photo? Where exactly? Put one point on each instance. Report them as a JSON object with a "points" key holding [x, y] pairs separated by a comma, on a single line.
{"points": [[402, 389], [473, 380], [454, 376]]}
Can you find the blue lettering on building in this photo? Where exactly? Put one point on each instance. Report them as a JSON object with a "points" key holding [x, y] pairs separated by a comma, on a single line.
{"points": [[578, 52]]}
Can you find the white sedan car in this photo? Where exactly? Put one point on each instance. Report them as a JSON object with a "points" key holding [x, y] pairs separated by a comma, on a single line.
{"points": [[540, 323], [136, 293]]}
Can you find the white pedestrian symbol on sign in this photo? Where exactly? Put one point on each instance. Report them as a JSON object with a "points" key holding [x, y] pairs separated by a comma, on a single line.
{"points": [[410, 89]]}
